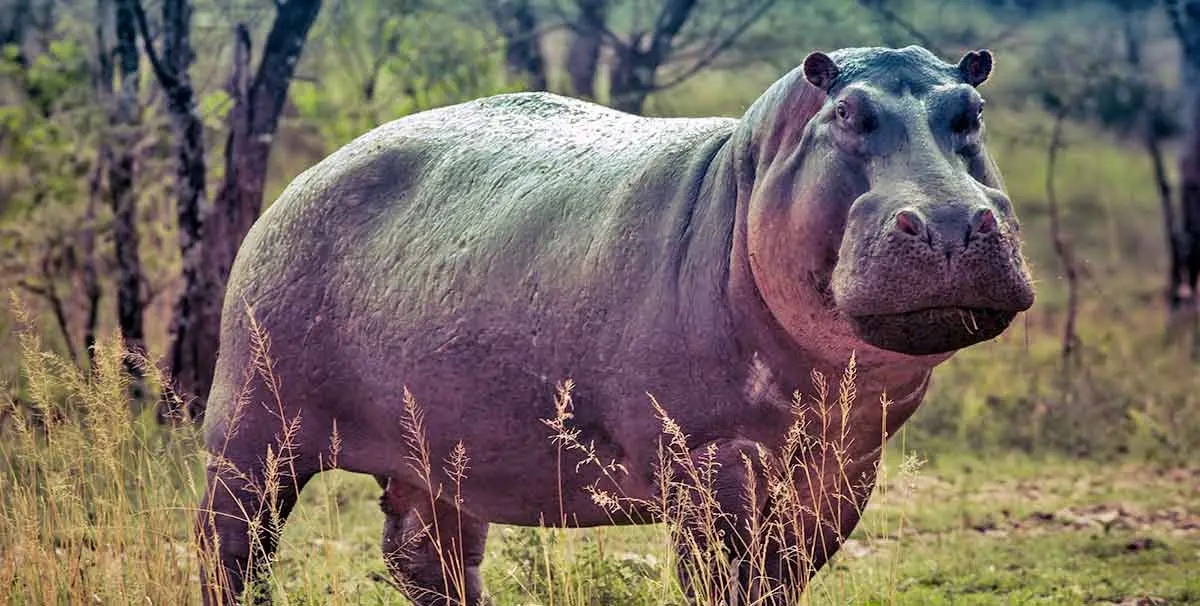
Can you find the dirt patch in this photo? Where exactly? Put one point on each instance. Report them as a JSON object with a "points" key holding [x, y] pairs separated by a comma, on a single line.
{"points": [[1108, 517], [1139, 601], [1104, 517]]}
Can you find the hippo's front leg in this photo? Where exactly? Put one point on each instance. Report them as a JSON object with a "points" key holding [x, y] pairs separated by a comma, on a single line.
{"points": [[741, 538], [717, 504]]}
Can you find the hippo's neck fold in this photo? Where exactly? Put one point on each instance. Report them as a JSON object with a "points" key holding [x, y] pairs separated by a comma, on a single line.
{"points": [[770, 138]]}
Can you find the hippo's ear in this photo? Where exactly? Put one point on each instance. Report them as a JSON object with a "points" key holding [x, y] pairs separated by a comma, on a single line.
{"points": [[820, 70], [976, 66]]}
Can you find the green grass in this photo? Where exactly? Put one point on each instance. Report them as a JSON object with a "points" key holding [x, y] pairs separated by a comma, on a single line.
{"points": [[1013, 530], [97, 506]]}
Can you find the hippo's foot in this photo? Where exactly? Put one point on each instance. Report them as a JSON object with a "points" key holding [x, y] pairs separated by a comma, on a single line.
{"points": [[433, 550], [729, 552], [238, 528]]}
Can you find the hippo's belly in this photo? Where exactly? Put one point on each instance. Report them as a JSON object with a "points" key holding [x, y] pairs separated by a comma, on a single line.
{"points": [[501, 399]]}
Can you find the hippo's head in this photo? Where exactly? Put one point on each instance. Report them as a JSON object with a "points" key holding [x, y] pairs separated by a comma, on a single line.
{"points": [[875, 202]]}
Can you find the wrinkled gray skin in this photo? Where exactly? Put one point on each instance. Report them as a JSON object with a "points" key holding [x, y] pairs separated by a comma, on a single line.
{"points": [[479, 254]]}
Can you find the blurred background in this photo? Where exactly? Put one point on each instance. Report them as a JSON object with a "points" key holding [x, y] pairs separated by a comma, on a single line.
{"points": [[140, 138]]}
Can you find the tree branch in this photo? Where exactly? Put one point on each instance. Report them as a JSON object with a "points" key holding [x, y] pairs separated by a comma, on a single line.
{"points": [[573, 24], [50, 294], [880, 8], [166, 78], [716, 50], [1187, 39], [671, 18], [1002, 36]]}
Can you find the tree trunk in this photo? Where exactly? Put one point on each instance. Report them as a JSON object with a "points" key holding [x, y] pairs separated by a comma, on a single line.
{"points": [[1189, 167], [583, 58], [628, 85], [518, 22], [121, 195], [1062, 248], [635, 73], [1152, 139], [91, 281], [1185, 16], [190, 172], [253, 121], [636, 70], [1174, 241]]}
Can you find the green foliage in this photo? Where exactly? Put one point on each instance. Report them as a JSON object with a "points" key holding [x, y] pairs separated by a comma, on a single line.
{"points": [[43, 157], [53, 78], [214, 106], [47, 164], [53, 139], [384, 60]]}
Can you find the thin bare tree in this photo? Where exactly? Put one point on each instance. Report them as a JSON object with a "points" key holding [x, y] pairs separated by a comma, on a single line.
{"points": [[668, 43], [1062, 246], [126, 120], [253, 122], [1185, 19], [1151, 124]]}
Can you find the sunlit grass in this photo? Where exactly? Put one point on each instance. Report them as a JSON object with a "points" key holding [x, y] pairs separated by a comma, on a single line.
{"points": [[97, 506], [94, 503]]}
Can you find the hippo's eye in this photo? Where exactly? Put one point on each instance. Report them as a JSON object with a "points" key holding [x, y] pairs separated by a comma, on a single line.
{"points": [[966, 122], [841, 111]]}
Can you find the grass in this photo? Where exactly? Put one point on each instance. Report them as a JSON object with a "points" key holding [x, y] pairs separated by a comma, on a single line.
{"points": [[1014, 531], [93, 502], [96, 506]]}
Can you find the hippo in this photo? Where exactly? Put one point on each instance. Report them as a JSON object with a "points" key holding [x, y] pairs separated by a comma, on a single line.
{"points": [[453, 270]]}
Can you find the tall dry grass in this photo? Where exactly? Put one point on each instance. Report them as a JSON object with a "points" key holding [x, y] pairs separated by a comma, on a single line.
{"points": [[97, 505], [94, 502]]}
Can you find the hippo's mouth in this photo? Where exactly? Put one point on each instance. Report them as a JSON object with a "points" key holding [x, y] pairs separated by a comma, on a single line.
{"points": [[932, 330]]}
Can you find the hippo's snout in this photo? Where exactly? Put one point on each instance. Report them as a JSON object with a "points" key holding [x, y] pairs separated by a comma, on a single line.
{"points": [[932, 279]]}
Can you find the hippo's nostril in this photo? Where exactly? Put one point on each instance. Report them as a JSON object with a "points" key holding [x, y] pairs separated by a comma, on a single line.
{"points": [[984, 221], [910, 222]]}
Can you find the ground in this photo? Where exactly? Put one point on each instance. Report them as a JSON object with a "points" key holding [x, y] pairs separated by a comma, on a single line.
{"points": [[952, 530]]}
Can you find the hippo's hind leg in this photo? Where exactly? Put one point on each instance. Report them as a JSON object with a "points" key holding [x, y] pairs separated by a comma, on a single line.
{"points": [[433, 550]]}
